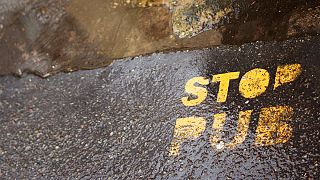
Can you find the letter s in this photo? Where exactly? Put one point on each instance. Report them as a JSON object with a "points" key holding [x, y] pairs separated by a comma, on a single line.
{"points": [[200, 92]]}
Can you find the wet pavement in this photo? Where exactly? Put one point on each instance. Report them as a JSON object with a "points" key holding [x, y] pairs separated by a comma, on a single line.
{"points": [[240, 112], [46, 37]]}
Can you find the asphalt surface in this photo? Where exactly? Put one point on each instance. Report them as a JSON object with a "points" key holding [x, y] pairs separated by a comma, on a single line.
{"points": [[118, 122]]}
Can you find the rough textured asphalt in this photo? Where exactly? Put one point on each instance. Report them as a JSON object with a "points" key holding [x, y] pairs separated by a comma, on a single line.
{"points": [[117, 122]]}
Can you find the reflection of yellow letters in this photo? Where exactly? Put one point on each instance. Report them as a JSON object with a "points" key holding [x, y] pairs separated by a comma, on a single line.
{"points": [[272, 128], [186, 128], [287, 73], [242, 129], [254, 83], [200, 92], [224, 80]]}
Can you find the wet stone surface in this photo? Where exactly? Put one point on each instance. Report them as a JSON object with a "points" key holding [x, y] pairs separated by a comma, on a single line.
{"points": [[44, 37], [118, 122]]}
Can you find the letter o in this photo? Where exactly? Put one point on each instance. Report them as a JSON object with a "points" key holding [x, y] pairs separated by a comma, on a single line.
{"points": [[254, 83]]}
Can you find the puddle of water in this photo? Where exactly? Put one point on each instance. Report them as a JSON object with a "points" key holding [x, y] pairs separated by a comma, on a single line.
{"points": [[44, 37]]}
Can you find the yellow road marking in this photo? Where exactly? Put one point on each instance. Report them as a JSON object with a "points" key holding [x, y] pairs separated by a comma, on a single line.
{"points": [[287, 73], [272, 127], [254, 83], [200, 92], [224, 80], [242, 129], [186, 129]]}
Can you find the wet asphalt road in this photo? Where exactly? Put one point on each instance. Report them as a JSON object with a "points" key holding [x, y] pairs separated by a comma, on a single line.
{"points": [[118, 122]]}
